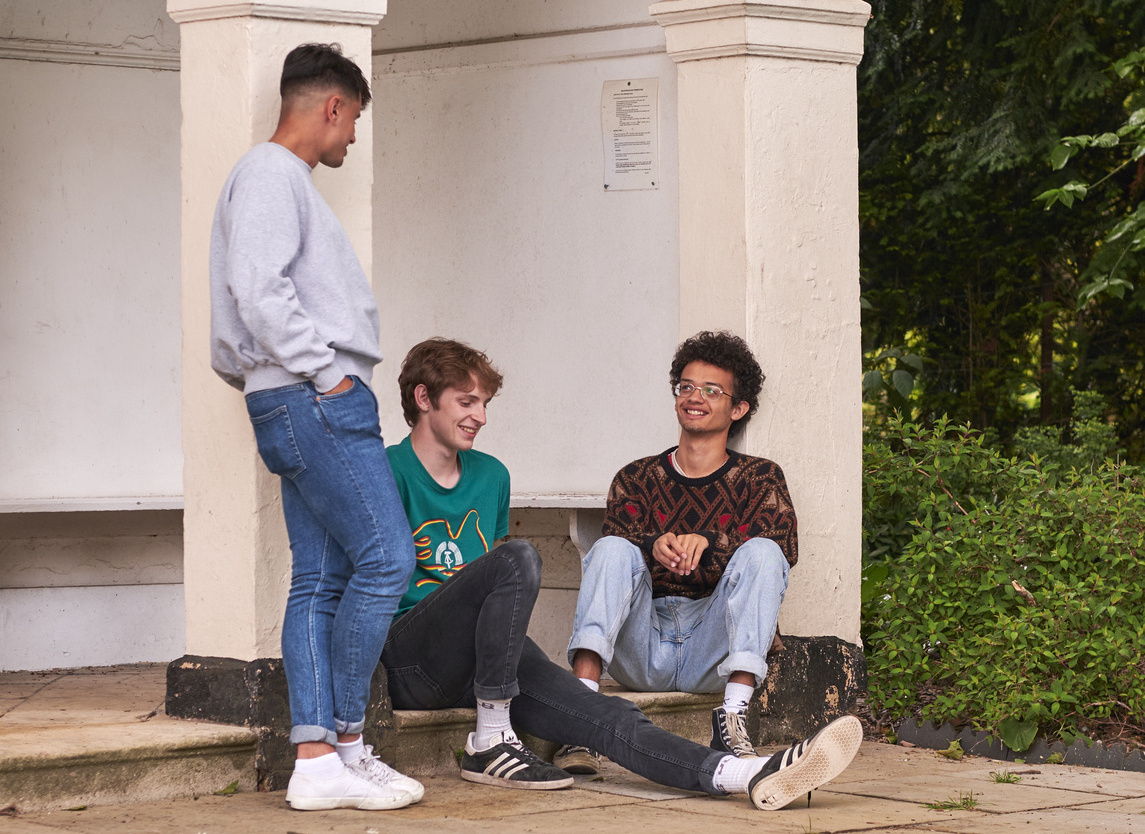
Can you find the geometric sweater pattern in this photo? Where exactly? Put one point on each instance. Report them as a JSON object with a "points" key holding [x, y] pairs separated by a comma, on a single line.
{"points": [[745, 498]]}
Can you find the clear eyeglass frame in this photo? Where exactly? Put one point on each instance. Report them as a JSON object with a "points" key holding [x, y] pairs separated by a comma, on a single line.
{"points": [[707, 392]]}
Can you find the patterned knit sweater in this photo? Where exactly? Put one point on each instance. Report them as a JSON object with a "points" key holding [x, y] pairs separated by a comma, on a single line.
{"points": [[744, 498]]}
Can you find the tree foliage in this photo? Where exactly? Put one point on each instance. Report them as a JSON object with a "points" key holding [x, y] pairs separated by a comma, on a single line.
{"points": [[961, 104]]}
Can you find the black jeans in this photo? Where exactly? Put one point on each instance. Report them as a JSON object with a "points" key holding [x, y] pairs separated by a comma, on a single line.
{"points": [[467, 640]]}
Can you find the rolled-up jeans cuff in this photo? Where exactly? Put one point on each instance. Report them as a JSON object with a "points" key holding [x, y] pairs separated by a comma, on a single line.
{"points": [[497, 693], [304, 733], [594, 643], [347, 728], [743, 662]]}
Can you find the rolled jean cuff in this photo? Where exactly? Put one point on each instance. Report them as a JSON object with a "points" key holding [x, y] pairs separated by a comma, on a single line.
{"points": [[707, 769], [347, 728], [303, 733], [497, 693], [743, 662], [594, 643]]}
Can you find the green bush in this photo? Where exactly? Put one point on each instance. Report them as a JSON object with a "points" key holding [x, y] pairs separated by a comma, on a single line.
{"points": [[1013, 592]]}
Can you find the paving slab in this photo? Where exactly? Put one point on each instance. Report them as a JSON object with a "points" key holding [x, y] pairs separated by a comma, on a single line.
{"points": [[99, 725], [1089, 819]]}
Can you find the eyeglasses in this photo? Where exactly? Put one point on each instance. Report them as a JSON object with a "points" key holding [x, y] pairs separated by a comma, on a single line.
{"points": [[707, 392]]}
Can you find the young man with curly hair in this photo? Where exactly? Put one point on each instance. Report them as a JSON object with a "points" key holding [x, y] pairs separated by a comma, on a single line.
{"points": [[683, 591], [460, 635]]}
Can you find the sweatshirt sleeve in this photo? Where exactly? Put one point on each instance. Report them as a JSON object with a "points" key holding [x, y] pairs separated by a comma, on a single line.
{"points": [[263, 231]]}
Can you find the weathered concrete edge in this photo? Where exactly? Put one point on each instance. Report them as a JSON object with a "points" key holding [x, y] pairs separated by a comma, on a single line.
{"points": [[113, 777], [980, 743], [239, 741]]}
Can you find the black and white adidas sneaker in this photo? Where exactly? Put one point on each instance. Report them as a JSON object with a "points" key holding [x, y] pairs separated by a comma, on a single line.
{"points": [[805, 766], [511, 764]]}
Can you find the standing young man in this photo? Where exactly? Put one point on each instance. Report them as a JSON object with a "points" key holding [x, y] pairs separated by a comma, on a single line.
{"points": [[460, 639], [683, 591], [294, 326]]}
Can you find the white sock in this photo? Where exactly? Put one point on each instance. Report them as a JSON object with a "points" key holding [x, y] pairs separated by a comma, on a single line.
{"points": [[590, 683], [492, 720], [350, 750], [733, 773], [737, 696], [324, 767]]}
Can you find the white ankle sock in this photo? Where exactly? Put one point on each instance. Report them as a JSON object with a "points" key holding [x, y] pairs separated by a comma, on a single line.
{"points": [[590, 683], [737, 696], [350, 750], [492, 720], [732, 773], [324, 767]]}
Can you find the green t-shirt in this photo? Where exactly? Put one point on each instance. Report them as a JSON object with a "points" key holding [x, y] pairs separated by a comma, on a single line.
{"points": [[451, 527]]}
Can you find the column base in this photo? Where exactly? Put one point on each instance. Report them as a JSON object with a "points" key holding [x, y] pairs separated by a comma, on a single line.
{"points": [[813, 681]]}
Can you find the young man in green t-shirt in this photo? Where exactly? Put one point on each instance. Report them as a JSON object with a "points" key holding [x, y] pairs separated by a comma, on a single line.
{"points": [[459, 637]]}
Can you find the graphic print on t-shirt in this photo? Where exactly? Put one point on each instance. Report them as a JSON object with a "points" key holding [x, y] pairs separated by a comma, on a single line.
{"points": [[442, 551]]}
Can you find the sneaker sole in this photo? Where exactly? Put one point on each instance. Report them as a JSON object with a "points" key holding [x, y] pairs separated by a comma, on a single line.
{"points": [[580, 765], [518, 784], [362, 803], [579, 769], [827, 756]]}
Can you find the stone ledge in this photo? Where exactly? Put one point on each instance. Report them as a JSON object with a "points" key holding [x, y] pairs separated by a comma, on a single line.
{"points": [[814, 680], [166, 768]]}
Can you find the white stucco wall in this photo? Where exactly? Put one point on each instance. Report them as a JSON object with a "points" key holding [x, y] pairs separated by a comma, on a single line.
{"points": [[89, 335], [89, 341], [492, 225]]}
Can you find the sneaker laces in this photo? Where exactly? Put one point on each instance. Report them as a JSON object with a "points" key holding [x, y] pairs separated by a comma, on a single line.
{"points": [[510, 738], [733, 727], [571, 749], [379, 772]]}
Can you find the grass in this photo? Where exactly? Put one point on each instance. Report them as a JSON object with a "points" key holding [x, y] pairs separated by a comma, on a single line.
{"points": [[1005, 777], [963, 803]]}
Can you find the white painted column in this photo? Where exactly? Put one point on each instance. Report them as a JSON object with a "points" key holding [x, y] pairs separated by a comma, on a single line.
{"points": [[236, 554], [769, 249]]}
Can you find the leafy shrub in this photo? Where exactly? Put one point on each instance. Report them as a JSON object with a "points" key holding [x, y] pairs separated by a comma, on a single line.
{"points": [[1091, 439], [1013, 591]]}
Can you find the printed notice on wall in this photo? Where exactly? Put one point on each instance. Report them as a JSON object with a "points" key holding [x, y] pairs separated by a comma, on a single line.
{"points": [[630, 123]]}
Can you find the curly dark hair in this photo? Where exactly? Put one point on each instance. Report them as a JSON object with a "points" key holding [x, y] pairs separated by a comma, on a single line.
{"points": [[729, 353]]}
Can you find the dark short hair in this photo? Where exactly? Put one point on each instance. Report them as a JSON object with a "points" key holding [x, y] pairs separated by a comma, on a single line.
{"points": [[727, 352], [439, 364], [321, 66]]}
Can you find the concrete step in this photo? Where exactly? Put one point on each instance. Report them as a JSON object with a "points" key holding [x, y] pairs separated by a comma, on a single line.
{"points": [[99, 736], [93, 767]]}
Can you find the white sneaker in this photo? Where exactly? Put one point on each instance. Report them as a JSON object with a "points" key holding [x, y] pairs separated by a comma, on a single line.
{"points": [[346, 790], [373, 769]]}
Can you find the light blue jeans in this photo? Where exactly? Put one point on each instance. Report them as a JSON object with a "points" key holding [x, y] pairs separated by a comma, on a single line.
{"points": [[675, 643], [352, 548]]}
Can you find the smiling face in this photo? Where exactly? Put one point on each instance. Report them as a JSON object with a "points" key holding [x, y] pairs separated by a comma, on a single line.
{"points": [[713, 416], [453, 423]]}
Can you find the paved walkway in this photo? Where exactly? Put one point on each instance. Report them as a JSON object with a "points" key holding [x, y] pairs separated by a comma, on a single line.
{"points": [[886, 789]]}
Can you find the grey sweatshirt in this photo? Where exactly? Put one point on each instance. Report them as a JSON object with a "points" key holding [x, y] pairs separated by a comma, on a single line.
{"points": [[289, 299]]}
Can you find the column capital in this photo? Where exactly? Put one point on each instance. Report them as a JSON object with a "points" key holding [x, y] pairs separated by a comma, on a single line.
{"points": [[808, 30], [363, 12]]}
